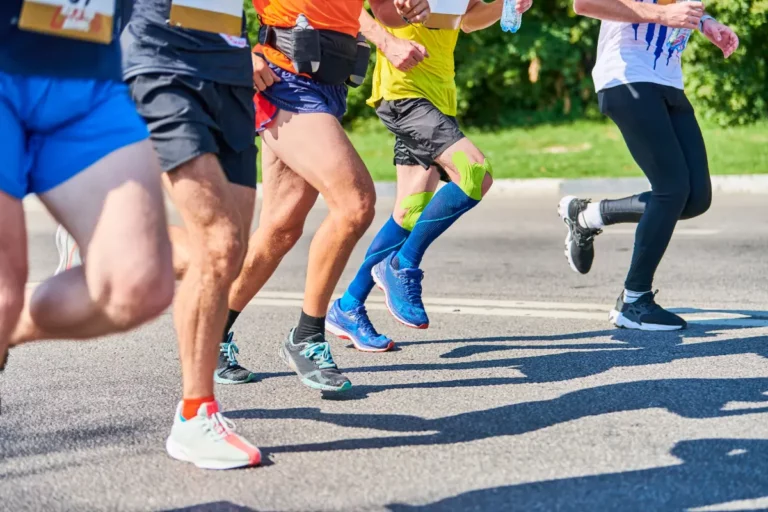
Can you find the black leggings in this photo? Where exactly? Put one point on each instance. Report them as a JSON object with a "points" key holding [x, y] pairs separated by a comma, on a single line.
{"points": [[660, 129]]}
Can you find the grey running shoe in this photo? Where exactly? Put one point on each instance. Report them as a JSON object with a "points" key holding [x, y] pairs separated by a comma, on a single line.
{"points": [[579, 248], [312, 361], [229, 370], [645, 315]]}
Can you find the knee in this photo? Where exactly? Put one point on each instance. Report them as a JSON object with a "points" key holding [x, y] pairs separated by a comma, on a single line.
{"points": [[134, 294], [675, 198], [697, 204], [356, 214], [222, 251]]}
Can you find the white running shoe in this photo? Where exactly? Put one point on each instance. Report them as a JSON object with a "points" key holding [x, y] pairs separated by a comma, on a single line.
{"points": [[69, 252], [209, 441]]}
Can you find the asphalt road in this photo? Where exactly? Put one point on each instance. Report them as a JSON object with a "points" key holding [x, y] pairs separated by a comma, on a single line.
{"points": [[520, 396]]}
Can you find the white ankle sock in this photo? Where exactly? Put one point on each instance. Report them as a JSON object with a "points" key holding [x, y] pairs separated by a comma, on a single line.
{"points": [[630, 296], [591, 217]]}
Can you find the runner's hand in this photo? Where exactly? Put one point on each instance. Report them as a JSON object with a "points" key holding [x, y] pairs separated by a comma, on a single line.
{"points": [[682, 15], [404, 54], [263, 76], [523, 5], [721, 36], [413, 11]]}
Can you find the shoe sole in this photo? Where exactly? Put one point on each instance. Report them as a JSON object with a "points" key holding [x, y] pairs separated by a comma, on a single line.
{"points": [[309, 383], [380, 286], [344, 335], [219, 380], [623, 322], [562, 212], [177, 452]]}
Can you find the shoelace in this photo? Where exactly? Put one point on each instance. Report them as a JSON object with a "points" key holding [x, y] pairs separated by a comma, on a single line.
{"points": [[648, 306], [218, 427], [413, 289], [320, 353], [230, 350], [360, 315]]}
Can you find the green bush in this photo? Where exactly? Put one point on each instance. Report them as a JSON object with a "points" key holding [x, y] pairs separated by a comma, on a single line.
{"points": [[543, 73]]}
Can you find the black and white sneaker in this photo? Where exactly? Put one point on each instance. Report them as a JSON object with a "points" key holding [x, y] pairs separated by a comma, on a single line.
{"points": [[579, 248], [229, 371], [644, 314]]}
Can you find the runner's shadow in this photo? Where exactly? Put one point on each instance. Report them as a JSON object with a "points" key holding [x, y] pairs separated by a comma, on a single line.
{"points": [[689, 398], [216, 506], [713, 471]]}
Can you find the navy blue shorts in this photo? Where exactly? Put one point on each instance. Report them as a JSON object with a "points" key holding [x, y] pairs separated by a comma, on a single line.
{"points": [[53, 128], [299, 95]]}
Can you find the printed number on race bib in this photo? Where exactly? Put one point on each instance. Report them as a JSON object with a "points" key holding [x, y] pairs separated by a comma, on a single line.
{"points": [[87, 20], [217, 16]]}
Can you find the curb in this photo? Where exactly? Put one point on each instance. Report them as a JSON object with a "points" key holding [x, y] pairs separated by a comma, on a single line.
{"points": [[548, 187]]}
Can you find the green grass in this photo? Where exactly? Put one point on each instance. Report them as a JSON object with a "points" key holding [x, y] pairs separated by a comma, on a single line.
{"points": [[576, 150]]}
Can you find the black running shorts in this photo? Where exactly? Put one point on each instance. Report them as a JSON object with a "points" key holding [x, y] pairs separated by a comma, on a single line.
{"points": [[422, 132], [188, 117]]}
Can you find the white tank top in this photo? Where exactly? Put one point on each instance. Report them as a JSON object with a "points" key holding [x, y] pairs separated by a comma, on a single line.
{"points": [[636, 52]]}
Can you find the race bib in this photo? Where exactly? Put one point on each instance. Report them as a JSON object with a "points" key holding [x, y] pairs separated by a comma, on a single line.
{"points": [[217, 16], [87, 20]]}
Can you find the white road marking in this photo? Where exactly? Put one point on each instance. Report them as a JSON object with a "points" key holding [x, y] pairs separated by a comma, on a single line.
{"points": [[680, 231], [518, 308]]}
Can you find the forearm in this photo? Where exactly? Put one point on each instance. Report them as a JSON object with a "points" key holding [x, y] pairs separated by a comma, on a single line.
{"points": [[482, 15], [628, 11], [372, 30]]}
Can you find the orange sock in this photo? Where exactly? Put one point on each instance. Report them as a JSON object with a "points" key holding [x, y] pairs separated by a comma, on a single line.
{"points": [[190, 406]]}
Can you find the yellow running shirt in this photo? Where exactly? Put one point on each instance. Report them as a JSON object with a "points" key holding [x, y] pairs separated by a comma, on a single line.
{"points": [[432, 79]]}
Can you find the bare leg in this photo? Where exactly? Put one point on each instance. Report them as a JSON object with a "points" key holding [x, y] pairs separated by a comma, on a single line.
{"points": [[14, 269], [412, 179], [114, 210], [286, 204], [216, 245], [330, 164]]}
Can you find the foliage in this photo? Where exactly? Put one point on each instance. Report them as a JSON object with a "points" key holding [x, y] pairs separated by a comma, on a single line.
{"points": [[542, 74]]}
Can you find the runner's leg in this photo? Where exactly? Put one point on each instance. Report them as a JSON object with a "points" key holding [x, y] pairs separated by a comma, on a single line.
{"points": [[287, 200], [128, 278]]}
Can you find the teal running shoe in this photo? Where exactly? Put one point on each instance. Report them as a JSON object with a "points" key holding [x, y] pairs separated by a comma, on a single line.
{"points": [[229, 370], [312, 361]]}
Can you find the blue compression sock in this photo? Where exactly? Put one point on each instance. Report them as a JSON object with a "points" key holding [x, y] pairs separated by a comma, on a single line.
{"points": [[449, 204], [389, 239]]}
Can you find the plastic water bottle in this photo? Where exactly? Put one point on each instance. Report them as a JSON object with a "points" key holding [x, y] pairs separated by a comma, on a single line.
{"points": [[678, 37], [510, 18]]}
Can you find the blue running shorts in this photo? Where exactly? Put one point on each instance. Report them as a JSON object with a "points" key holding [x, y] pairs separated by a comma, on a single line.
{"points": [[300, 95], [54, 128]]}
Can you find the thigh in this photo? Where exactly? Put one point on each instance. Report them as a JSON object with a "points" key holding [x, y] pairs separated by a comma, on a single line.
{"points": [[115, 211], [327, 160], [691, 142], [75, 125], [287, 197], [13, 251], [643, 117], [422, 128]]}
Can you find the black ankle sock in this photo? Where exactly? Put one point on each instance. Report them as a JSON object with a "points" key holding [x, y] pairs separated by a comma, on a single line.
{"points": [[308, 327], [230, 322]]}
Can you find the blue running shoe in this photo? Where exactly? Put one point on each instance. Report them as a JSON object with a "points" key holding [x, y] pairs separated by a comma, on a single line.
{"points": [[356, 327], [402, 290], [228, 370]]}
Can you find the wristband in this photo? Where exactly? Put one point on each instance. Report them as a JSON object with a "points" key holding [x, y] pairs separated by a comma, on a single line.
{"points": [[703, 19]]}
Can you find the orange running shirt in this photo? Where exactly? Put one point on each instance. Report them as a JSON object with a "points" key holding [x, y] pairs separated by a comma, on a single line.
{"points": [[337, 15]]}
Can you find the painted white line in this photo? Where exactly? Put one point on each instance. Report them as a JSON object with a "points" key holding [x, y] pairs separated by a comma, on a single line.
{"points": [[516, 308], [681, 231]]}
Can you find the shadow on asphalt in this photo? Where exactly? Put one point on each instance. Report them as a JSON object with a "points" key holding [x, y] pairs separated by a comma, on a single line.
{"points": [[712, 471], [215, 506]]}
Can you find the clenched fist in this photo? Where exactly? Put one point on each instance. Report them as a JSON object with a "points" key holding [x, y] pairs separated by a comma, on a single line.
{"points": [[404, 54]]}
